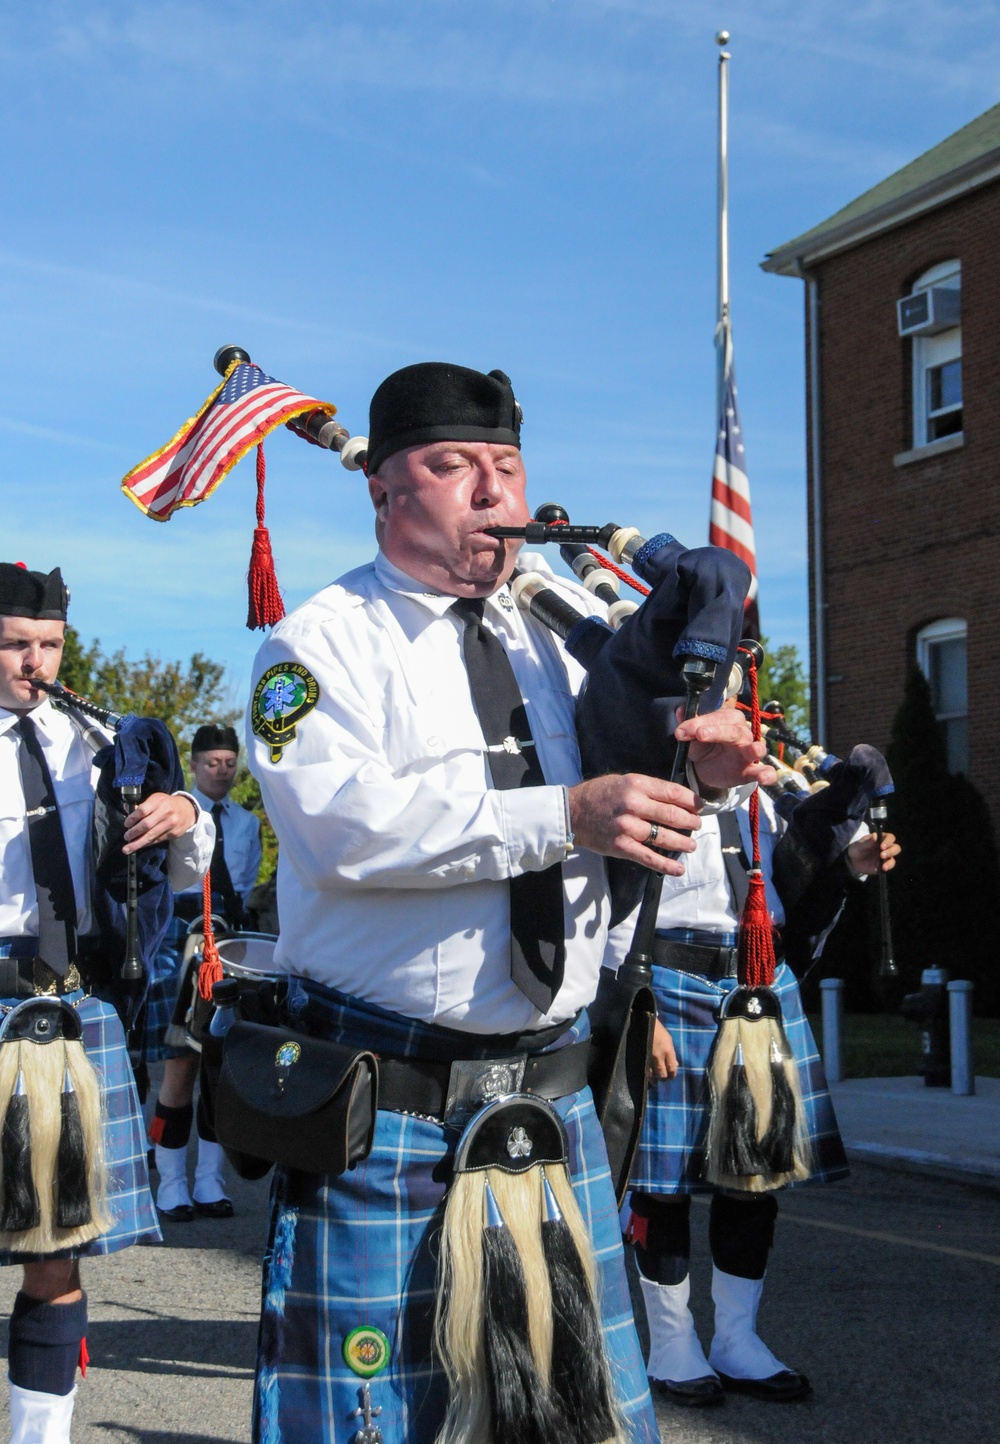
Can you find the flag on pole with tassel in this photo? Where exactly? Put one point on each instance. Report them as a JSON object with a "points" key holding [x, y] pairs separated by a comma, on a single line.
{"points": [[244, 408]]}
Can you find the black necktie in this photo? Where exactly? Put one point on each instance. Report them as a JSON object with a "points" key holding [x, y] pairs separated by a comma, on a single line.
{"points": [[49, 859], [222, 882], [734, 858], [537, 931]]}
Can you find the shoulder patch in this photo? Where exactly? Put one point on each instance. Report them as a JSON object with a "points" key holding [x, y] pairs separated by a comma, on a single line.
{"points": [[282, 697]]}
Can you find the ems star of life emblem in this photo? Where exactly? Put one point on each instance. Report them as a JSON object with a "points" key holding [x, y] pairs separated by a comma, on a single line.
{"points": [[282, 697]]}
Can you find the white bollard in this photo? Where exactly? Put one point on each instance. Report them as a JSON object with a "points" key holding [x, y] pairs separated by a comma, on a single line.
{"points": [[832, 990], [963, 1071]]}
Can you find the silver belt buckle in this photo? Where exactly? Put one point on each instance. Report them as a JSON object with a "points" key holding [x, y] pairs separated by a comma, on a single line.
{"points": [[474, 1082], [729, 957]]}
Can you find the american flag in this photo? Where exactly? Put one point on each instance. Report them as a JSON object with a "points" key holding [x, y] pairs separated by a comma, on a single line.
{"points": [[731, 523], [240, 412]]}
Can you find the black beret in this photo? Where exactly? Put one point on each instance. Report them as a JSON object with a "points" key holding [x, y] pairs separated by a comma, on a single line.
{"points": [[41, 595], [434, 401], [214, 737]]}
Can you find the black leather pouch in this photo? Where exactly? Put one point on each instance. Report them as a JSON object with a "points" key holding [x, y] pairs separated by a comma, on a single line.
{"points": [[305, 1103]]}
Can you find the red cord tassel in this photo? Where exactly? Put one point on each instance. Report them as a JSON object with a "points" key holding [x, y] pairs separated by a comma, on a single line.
{"points": [[755, 943], [755, 961], [210, 971], [264, 604], [84, 1357]]}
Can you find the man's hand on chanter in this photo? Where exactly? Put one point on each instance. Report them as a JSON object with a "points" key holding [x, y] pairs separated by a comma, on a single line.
{"points": [[160, 818], [723, 752]]}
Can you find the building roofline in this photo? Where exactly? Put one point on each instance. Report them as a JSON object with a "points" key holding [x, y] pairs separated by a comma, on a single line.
{"points": [[796, 257]]}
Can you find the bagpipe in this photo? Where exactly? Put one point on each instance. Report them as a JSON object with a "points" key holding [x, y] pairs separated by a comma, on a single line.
{"points": [[823, 799], [132, 899], [52, 1171], [679, 651]]}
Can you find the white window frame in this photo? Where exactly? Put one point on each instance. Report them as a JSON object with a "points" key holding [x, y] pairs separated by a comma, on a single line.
{"points": [[947, 629], [931, 351]]}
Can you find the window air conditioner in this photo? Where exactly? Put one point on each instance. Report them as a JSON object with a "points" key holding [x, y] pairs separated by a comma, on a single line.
{"points": [[927, 312]]}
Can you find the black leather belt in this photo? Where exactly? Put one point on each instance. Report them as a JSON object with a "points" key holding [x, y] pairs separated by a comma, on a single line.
{"points": [[31, 978], [693, 958], [453, 1091]]}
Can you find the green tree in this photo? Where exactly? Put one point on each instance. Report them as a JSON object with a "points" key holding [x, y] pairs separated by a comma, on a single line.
{"points": [[783, 678], [181, 696]]}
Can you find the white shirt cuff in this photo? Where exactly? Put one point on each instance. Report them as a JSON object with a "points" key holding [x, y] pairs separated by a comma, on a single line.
{"points": [[726, 802], [536, 827]]}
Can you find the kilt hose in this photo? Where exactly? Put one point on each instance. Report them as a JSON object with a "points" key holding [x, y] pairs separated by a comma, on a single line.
{"points": [[129, 1200], [670, 1156], [361, 1249]]}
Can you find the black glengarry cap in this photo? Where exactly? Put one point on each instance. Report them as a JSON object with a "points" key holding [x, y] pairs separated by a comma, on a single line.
{"points": [[41, 595], [214, 737], [435, 401]]}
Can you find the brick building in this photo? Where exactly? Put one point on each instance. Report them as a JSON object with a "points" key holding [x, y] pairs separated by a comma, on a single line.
{"points": [[903, 399]]}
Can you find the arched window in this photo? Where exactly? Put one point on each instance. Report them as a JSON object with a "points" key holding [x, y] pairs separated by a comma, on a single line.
{"points": [[933, 311], [941, 653]]}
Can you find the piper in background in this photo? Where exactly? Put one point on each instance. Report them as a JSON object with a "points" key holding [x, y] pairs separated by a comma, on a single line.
{"points": [[47, 789], [694, 977], [235, 864]]}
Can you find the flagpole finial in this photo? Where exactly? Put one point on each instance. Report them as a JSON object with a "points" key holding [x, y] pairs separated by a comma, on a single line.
{"points": [[226, 355], [722, 38]]}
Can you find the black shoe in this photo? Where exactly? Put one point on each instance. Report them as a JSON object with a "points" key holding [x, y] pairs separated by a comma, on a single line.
{"points": [[183, 1213], [693, 1393], [220, 1208], [786, 1387]]}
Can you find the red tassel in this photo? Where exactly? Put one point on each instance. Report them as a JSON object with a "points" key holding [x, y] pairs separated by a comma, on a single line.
{"points": [[84, 1359], [755, 961], [210, 971], [264, 604]]}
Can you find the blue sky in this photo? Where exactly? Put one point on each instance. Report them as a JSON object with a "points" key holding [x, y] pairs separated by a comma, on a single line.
{"points": [[344, 188]]}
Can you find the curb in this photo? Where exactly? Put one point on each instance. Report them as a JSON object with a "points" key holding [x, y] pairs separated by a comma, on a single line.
{"points": [[981, 1172]]}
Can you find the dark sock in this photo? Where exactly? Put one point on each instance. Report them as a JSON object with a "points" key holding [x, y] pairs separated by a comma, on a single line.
{"points": [[741, 1232], [662, 1234], [44, 1345], [205, 1129], [171, 1127]]}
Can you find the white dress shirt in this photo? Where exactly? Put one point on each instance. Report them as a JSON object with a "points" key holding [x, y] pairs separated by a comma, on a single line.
{"points": [[240, 842], [396, 849], [74, 778]]}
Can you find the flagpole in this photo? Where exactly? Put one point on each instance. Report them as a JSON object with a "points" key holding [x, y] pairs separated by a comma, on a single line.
{"points": [[722, 333]]}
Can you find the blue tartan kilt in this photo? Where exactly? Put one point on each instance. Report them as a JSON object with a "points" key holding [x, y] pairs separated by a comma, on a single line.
{"points": [[162, 996], [129, 1200], [670, 1156], [361, 1248]]}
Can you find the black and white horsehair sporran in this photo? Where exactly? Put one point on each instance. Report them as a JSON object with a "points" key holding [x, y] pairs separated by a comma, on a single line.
{"points": [[758, 1138], [517, 1325], [53, 1182]]}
